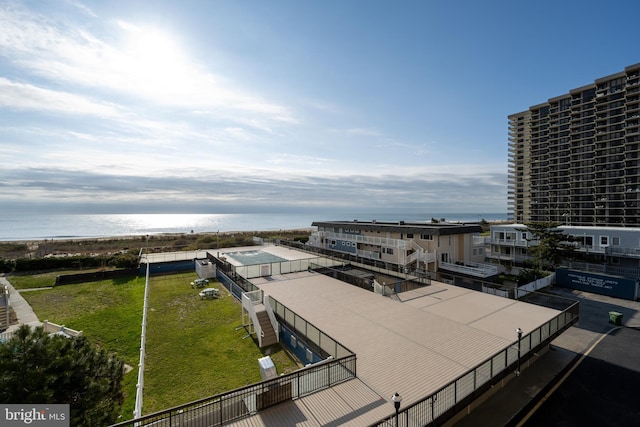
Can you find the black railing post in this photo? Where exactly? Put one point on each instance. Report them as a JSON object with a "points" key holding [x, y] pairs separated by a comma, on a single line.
{"points": [[519, 332]]}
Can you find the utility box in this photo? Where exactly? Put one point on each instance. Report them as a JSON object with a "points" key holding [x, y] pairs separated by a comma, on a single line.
{"points": [[267, 368]]}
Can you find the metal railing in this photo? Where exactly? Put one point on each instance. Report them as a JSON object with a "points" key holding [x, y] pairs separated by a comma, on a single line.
{"points": [[172, 256], [626, 252], [281, 267], [454, 396], [309, 332], [246, 401]]}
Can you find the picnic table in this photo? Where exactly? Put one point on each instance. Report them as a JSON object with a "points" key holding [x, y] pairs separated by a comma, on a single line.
{"points": [[209, 293], [199, 283]]}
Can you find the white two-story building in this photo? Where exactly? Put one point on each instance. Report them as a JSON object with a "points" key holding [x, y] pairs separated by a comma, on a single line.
{"points": [[608, 251], [409, 247]]}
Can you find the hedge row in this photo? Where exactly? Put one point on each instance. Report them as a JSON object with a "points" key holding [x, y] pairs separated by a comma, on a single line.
{"points": [[70, 262]]}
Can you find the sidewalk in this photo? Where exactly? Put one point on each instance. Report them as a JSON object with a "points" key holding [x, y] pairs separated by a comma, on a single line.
{"points": [[508, 405], [20, 307]]}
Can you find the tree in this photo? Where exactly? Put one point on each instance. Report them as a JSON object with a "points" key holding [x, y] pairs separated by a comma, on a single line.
{"points": [[36, 367], [552, 245]]}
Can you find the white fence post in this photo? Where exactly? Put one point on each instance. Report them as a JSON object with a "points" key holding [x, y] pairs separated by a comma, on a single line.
{"points": [[137, 412]]}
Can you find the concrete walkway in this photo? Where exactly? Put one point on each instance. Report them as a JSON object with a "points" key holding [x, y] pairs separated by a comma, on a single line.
{"points": [[20, 307]]}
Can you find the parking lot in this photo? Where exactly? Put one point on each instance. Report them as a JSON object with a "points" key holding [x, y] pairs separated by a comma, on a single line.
{"points": [[603, 389], [590, 376]]}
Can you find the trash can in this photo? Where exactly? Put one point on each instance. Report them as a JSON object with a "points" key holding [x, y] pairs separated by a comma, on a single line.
{"points": [[615, 318]]}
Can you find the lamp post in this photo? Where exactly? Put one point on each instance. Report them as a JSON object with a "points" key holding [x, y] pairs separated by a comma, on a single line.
{"points": [[519, 332], [396, 398]]}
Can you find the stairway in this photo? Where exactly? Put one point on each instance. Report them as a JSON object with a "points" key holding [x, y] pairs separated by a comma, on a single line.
{"points": [[4, 317], [268, 334]]}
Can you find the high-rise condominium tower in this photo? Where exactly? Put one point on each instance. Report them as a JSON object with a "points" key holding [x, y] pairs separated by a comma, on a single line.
{"points": [[575, 159]]}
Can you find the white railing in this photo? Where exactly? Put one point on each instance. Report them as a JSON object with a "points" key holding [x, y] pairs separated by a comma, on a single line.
{"points": [[7, 315], [48, 327], [368, 254], [534, 286], [282, 267], [137, 412], [249, 299], [509, 242], [495, 291], [173, 256], [5, 336], [472, 269], [272, 316], [481, 240], [378, 241], [421, 253], [52, 328]]}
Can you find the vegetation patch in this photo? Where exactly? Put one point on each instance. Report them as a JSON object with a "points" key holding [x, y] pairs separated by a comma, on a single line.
{"points": [[108, 313], [195, 348]]}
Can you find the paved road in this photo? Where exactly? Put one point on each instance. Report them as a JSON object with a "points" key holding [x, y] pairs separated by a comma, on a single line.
{"points": [[603, 390]]}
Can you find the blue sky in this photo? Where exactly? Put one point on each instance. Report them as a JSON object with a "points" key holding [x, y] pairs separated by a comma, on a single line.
{"points": [[240, 106]]}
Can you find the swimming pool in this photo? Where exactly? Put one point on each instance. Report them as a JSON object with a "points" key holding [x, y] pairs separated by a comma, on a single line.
{"points": [[254, 257]]}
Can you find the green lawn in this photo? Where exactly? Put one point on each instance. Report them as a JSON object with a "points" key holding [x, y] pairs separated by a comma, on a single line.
{"points": [[108, 312], [41, 280], [195, 348]]}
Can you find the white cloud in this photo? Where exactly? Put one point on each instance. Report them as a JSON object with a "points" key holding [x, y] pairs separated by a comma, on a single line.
{"points": [[294, 161], [22, 96], [137, 61], [251, 187], [126, 115], [82, 7]]}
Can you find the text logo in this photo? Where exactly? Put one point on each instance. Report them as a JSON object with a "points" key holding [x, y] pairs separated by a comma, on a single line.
{"points": [[34, 415]]}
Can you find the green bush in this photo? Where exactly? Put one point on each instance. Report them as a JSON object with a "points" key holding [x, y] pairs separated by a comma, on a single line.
{"points": [[528, 276], [125, 260]]}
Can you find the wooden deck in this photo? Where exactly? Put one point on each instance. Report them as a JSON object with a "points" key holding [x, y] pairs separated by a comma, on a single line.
{"points": [[350, 403], [412, 347]]}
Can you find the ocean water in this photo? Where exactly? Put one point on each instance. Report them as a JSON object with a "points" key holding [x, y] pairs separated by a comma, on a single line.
{"points": [[40, 226]]}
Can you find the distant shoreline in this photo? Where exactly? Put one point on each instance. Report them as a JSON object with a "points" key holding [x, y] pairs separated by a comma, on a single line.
{"points": [[170, 235], [142, 237]]}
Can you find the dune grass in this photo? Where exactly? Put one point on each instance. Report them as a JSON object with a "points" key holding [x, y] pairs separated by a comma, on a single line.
{"points": [[195, 348]]}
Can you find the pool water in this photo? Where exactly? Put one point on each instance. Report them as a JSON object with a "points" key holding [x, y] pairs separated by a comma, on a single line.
{"points": [[254, 257]]}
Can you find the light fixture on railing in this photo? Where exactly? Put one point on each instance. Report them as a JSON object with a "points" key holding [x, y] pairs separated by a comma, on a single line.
{"points": [[396, 399]]}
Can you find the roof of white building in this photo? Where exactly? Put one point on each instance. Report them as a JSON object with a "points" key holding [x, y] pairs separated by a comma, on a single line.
{"points": [[440, 228]]}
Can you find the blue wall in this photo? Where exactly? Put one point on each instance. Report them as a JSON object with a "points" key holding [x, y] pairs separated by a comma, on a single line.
{"points": [[301, 347], [235, 290], [618, 287], [167, 267], [343, 246]]}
